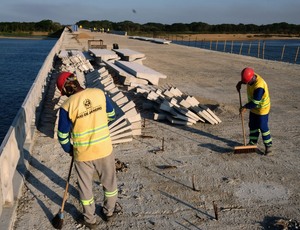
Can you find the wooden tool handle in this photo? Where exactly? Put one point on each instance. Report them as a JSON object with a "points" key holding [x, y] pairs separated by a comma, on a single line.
{"points": [[67, 187], [242, 118]]}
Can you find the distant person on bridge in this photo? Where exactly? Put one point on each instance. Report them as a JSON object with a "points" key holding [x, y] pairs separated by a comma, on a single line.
{"points": [[84, 118], [259, 105]]}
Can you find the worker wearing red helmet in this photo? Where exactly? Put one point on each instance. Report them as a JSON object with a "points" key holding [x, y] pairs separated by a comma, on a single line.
{"points": [[84, 118], [259, 105]]}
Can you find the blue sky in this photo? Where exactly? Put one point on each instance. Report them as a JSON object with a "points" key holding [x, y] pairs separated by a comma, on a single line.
{"points": [[259, 12]]}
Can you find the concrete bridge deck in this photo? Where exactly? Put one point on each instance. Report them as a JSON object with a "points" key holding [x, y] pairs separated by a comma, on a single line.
{"points": [[156, 192]]}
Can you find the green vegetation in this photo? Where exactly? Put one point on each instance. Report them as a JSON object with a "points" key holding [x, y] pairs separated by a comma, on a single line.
{"points": [[54, 29], [195, 27], [25, 29]]}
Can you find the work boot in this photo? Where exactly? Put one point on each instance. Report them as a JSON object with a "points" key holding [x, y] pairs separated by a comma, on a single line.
{"points": [[109, 216], [251, 143], [83, 222], [268, 151]]}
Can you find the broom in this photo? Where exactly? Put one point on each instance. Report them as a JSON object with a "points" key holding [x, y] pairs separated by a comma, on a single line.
{"points": [[58, 220], [245, 148]]}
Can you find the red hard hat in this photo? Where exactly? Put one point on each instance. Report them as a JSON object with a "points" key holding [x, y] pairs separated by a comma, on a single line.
{"points": [[61, 80], [247, 74]]}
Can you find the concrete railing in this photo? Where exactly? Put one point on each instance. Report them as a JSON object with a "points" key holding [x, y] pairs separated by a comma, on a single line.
{"points": [[19, 137]]}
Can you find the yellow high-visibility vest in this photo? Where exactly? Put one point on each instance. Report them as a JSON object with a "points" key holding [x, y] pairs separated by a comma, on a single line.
{"points": [[90, 133], [263, 106]]}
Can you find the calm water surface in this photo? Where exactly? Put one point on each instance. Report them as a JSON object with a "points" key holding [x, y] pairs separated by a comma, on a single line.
{"points": [[277, 50], [20, 62]]}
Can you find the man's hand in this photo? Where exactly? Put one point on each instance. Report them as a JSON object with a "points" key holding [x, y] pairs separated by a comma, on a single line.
{"points": [[239, 86], [71, 152], [242, 109]]}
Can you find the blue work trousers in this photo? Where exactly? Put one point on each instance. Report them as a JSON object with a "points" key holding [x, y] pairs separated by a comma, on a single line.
{"points": [[257, 124]]}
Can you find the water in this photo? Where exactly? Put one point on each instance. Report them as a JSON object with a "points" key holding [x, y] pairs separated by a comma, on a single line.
{"points": [[20, 62], [277, 50]]}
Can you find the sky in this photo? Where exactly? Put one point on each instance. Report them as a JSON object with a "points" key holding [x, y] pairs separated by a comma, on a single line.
{"points": [[259, 12]]}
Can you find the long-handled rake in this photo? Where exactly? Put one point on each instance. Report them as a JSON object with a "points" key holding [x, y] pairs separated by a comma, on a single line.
{"points": [[58, 220], [245, 148]]}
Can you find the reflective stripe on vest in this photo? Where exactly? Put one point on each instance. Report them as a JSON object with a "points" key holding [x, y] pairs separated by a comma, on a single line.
{"points": [[91, 137]]}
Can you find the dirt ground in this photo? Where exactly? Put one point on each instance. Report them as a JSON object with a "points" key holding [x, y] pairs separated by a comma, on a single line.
{"points": [[248, 191]]}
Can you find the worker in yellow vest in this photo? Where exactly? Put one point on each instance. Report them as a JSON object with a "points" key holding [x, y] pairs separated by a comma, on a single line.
{"points": [[259, 105], [83, 118]]}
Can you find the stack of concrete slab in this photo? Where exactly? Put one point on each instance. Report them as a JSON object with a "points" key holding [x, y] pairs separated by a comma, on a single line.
{"points": [[128, 120], [176, 107], [127, 123], [101, 55], [141, 72], [128, 71], [122, 76], [130, 55], [68, 53], [83, 54], [100, 79], [76, 62]]}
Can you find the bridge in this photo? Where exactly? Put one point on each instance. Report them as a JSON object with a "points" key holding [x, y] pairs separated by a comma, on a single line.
{"points": [[176, 176]]}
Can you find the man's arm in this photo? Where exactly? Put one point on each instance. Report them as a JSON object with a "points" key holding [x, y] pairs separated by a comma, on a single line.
{"points": [[64, 129], [257, 96], [111, 115]]}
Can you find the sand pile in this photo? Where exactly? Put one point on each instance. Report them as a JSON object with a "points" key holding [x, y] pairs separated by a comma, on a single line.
{"points": [[83, 36]]}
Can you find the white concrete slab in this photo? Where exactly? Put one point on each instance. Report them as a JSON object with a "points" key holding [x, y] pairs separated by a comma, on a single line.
{"points": [[129, 55], [141, 71], [104, 54]]}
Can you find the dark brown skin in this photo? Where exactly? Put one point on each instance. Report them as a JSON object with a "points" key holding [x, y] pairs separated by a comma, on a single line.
{"points": [[72, 87]]}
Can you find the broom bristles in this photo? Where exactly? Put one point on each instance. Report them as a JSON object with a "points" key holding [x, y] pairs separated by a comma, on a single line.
{"points": [[58, 220], [245, 149]]}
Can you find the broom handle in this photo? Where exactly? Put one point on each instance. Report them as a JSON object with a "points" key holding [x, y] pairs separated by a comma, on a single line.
{"points": [[242, 118], [67, 186]]}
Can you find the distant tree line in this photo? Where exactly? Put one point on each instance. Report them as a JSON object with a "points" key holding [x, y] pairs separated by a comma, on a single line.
{"points": [[19, 27], [153, 28], [194, 27]]}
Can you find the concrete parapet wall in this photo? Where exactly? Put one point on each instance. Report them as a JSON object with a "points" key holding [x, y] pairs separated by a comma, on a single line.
{"points": [[20, 134]]}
